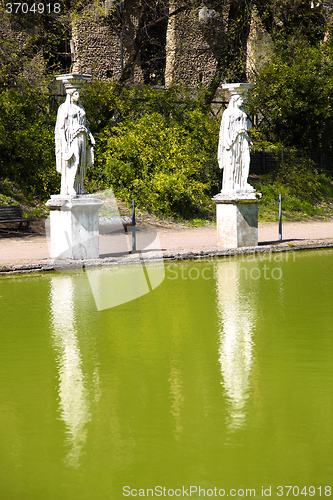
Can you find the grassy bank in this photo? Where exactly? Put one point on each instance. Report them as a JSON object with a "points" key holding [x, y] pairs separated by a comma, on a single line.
{"points": [[306, 193], [31, 204], [294, 208]]}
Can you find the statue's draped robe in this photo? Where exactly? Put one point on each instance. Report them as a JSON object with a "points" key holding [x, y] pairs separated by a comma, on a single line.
{"points": [[73, 153], [233, 149]]}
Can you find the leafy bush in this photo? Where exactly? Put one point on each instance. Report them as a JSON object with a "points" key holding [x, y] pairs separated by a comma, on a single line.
{"points": [[12, 194], [293, 96], [157, 147], [163, 167], [302, 188], [27, 140], [303, 179]]}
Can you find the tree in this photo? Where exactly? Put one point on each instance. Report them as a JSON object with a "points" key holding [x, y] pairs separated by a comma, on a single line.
{"points": [[293, 93], [286, 21], [27, 140], [290, 20], [32, 43], [231, 57], [225, 28]]}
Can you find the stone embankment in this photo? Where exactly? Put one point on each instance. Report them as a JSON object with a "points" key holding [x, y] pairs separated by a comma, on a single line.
{"points": [[28, 253]]}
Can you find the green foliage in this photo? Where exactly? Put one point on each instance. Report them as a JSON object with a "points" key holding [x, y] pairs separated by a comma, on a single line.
{"points": [[32, 43], [302, 178], [293, 97], [108, 104], [286, 20], [164, 167], [27, 140], [12, 194], [158, 147], [302, 188]]}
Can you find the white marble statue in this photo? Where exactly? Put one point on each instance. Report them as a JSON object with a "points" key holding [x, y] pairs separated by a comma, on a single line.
{"points": [[74, 144], [234, 147]]}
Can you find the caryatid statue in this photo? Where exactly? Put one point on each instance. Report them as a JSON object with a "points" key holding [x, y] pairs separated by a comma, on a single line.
{"points": [[74, 141], [234, 142]]}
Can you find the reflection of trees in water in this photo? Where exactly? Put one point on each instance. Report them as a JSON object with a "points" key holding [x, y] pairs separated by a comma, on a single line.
{"points": [[74, 402], [236, 345]]}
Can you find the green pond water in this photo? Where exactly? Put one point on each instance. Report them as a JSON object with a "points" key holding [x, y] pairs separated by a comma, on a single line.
{"points": [[217, 382]]}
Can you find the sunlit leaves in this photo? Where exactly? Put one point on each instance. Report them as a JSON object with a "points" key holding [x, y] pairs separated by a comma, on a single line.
{"points": [[156, 147], [293, 96], [27, 140]]}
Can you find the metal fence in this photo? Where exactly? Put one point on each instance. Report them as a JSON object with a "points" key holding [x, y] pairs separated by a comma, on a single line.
{"points": [[263, 162]]}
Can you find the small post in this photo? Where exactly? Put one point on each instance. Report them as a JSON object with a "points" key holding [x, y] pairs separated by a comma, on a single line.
{"points": [[133, 228], [280, 217]]}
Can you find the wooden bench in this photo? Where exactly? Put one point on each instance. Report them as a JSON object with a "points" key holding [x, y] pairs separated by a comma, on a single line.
{"points": [[13, 213], [126, 221]]}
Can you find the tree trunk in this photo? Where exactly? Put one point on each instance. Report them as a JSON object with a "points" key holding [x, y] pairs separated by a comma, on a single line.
{"points": [[231, 64]]}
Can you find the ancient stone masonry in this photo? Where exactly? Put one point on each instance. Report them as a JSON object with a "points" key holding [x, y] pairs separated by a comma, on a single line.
{"points": [[190, 57], [258, 45], [176, 44], [97, 41], [189, 51], [97, 47], [158, 42]]}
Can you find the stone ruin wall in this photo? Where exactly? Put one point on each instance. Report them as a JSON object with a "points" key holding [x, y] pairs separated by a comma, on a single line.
{"points": [[190, 57], [97, 51], [98, 48]]}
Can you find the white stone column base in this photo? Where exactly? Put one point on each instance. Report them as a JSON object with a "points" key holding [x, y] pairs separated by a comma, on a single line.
{"points": [[236, 220], [74, 230]]}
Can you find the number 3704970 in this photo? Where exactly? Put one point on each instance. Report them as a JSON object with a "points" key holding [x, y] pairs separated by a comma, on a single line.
{"points": [[35, 8], [311, 491]]}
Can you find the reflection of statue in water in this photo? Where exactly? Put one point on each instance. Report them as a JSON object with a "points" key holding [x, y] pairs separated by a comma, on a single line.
{"points": [[234, 147], [236, 307], [73, 151]]}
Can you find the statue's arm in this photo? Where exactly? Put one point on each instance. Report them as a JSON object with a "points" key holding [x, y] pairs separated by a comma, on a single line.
{"points": [[246, 135], [89, 134], [91, 137], [60, 139], [61, 121], [226, 139]]}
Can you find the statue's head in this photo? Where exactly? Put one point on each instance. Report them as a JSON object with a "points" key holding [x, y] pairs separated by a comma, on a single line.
{"points": [[239, 101], [236, 100], [73, 95]]}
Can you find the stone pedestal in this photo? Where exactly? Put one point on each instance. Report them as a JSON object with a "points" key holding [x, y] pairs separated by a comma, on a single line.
{"points": [[74, 227], [236, 219]]}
